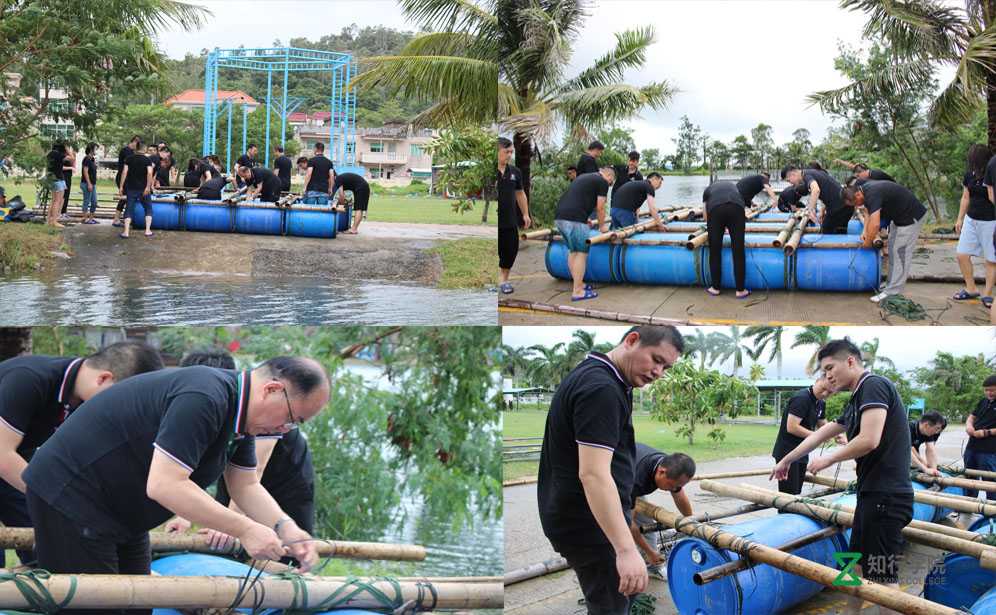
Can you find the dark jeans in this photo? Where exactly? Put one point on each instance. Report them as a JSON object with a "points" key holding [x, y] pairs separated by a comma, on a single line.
{"points": [[14, 513], [622, 218], [595, 568], [980, 461], [728, 216], [62, 546], [835, 223]]}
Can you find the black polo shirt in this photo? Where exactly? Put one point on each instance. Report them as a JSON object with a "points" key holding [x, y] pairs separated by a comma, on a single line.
{"points": [[985, 418], [750, 186], [624, 176], [123, 156], [789, 199], [647, 458], [587, 164], [283, 165], [810, 410], [320, 167], [581, 197], [266, 178], [211, 189], [289, 475], [879, 175], [593, 406], [162, 172], [36, 396], [632, 195], [352, 182], [720, 193], [830, 189], [887, 468], [917, 438], [138, 171], [979, 206], [895, 201], [95, 468], [246, 161], [192, 179], [507, 185], [89, 164]]}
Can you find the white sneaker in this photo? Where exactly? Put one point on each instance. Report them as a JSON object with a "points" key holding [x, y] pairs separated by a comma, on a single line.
{"points": [[879, 297]]}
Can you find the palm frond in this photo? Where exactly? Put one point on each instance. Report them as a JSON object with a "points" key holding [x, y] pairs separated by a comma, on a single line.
{"points": [[630, 52], [508, 101], [544, 49], [439, 44], [955, 105], [535, 121], [153, 16], [461, 15], [609, 103], [914, 28], [901, 76]]}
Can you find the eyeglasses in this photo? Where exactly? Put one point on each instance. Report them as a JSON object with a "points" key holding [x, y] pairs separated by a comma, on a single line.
{"points": [[290, 413]]}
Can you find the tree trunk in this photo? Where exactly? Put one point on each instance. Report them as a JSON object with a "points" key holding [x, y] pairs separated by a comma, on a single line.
{"points": [[523, 158], [991, 110], [484, 215], [14, 341]]}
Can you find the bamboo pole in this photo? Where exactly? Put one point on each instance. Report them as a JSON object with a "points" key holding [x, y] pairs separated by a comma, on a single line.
{"points": [[711, 574], [540, 234], [621, 233], [924, 497], [879, 594], [793, 243], [738, 474], [108, 591], [978, 473], [535, 570], [525, 480], [921, 532], [23, 538], [947, 481], [785, 233], [277, 567]]}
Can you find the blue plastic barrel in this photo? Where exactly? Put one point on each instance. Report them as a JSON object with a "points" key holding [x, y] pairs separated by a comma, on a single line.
{"points": [[986, 605], [302, 223], [165, 214], [854, 226], [944, 512], [201, 564], [958, 581], [208, 217], [759, 590], [767, 268], [345, 220], [670, 265], [983, 525], [259, 220], [602, 265], [836, 269]]}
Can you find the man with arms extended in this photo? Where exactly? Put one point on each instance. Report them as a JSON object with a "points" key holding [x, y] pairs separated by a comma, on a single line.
{"points": [[587, 465], [585, 195], [656, 470], [878, 435], [804, 414]]}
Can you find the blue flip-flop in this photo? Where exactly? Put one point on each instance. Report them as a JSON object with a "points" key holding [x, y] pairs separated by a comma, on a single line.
{"points": [[964, 295], [506, 288], [588, 294], [987, 301]]}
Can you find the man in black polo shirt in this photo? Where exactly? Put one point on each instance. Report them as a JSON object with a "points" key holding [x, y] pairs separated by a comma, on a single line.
{"points": [[752, 185], [790, 199], [164, 168], [37, 393], [282, 165], [864, 173], [136, 186], [980, 452], [318, 178], [123, 156], [821, 187], [626, 201], [247, 159], [264, 183], [211, 189], [627, 173], [656, 470], [804, 413], [885, 199], [585, 195], [875, 421], [588, 162], [146, 448], [361, 196], [513, 212], [587, 463], [926, 431]]}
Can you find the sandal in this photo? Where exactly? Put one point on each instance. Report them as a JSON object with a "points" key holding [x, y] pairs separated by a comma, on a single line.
{"points": [[506, 288], [588, 294], [963, 295], [743, 296], [712, 291], [149, 234], [987, 301], [122, 236]]}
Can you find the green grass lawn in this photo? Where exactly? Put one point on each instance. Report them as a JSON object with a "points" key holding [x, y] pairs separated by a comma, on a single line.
{"points": [[468, 263], [24, 247], [741, 440]]}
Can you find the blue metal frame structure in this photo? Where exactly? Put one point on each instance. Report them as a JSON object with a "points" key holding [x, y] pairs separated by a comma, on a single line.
{"points": [[286, 60]]}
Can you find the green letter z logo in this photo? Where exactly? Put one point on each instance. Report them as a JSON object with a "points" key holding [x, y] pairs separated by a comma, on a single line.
{"points": [[848, 561]]}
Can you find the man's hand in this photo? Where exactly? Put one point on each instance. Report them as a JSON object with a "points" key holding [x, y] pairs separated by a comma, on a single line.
{"points": [[932, 471], [218, 541], [527, 222], [604, 228], [958, 224], [260, 542], [592, 223], [300, 545], [177, 525], [780, 471], [632, 572], [819, 463], [841, 439]]}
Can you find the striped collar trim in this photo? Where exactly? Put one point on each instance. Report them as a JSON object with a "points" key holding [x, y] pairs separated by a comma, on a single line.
{"points": [[69, 380]]}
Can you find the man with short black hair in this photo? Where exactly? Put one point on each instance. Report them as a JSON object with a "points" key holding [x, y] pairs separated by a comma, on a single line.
{"points": [[588, 162], [513, 213], [283, 165], [163, 168], [926, 431], [318, 178], [133, 145], [627, 173], [586, 471], [804, 413], [875, 421], [572, 173], [751, 185], [626, 201], [885, 199], [790, 199], [864, 173], [248, 159], [585, 195], [980, 452], [38, 393], [821, 186], [145, 449], [263, 183], [655, 470], [136, 186], [361, 196]]}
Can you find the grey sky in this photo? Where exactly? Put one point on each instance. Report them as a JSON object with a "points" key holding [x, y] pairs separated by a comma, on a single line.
{"points": [[908, 347], [257, 23]]}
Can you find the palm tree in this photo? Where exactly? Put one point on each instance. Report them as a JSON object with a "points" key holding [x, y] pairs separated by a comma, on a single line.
{"points": [[547, 368], [756, 372], [515, 361], [582, 343], [700, 344], [924, 36], [812, 335], [870, 355], [731, 345], [764, 336]]}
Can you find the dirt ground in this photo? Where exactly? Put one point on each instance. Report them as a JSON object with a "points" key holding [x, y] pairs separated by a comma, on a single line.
{"points": [[559, 593], [535, 288]]}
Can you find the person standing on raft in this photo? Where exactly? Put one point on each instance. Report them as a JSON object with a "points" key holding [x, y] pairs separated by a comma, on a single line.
{"points": [[585, 196], [361, 196], [588, 162], [587, 461], [723, 209], [980, 452], [875, 421], [513, 213], [656, 470]]}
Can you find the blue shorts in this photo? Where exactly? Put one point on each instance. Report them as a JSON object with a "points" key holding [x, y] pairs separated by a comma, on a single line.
{"points": [[575, 235], [315, 197], [58, 186], [622, 217]]}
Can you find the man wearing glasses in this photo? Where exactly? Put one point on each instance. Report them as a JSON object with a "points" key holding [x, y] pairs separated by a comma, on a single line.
{"points": [[656, 470], [147, 449]]}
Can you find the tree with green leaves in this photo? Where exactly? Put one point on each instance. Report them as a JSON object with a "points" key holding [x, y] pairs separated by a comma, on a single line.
{"points": [[548, 365], [953, 384], [514, 362], [741, 151], [812, 335], [871, 357], [651, 159], [731, 345], [764, 145], [687, 144], [700, 344], [453, 149], [719, 155], [90, 52], [765, 336], [756, 372]]}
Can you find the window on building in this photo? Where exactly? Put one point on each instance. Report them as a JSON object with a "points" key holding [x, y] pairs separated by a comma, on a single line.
{"points": [[415, 150], [351, 148], [377, 147], [391, 146]]}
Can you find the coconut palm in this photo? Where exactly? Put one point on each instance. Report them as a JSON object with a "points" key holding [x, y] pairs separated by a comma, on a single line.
{"points": [[515, 361], [756, 372], [926, 35], [547, 368], [582, 342], [728, 346], [812, 335], [699, 344], [870, 356], [763, 337]]}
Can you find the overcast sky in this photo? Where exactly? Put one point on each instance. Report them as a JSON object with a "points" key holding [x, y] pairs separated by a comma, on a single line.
{"points": [[908, 347]]}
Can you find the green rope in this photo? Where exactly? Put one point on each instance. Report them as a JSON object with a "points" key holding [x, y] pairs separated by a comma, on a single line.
{"points": [[901, 306], [643, 604], [35, 593]]}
